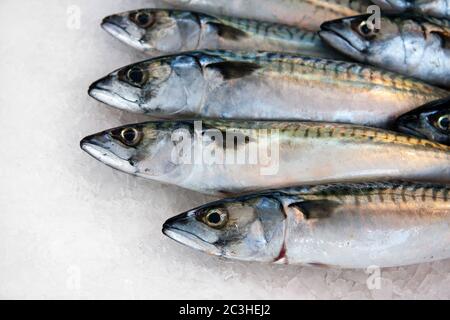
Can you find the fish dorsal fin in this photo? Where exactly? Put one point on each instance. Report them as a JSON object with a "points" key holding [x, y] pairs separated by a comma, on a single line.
{"points": [[316, 209], [234, 69]]}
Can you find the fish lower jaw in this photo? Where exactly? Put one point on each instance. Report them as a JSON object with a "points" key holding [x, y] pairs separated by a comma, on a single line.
{"points": [[122, 35], [115, 101], [411, 131], [108, 158], [191, 241], [342, 45]]}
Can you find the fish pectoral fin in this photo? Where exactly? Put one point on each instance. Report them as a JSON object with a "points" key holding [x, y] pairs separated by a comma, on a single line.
{"points": [[444, 37], [234, 69], [316, 209], [228, 32], [442, 34]]}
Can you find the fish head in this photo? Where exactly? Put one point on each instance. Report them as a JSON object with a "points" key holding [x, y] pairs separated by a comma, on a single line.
{"points": [[394, 6], [159, 87], [155, 31], [141, 149], [359, 39], [431, 121], [247, 228]]}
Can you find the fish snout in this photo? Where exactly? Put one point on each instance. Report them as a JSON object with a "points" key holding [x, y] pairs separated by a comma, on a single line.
{"points": [[332, 31], [340, 35], [101, 89], [116, 93], [122, 28], [333, 25], [93, 146], [102, 84], [409, 123], [101, 147], [98, 140], [84, 142], [114, 24], [177, 222], [186, 230]]}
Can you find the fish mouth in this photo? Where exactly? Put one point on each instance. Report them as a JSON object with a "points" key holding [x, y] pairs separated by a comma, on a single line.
{"points": [[101, 91], [410, 122], [190, 240], [408, 125], [177, 229], [335, 36], [93, 146], [114, 25], [117, 26]]}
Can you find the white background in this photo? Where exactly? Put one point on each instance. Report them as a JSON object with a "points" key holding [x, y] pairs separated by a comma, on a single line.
{"points": [[73, 228]]}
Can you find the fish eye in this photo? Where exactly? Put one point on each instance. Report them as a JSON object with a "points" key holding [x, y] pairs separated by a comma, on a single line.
{"points": [[130, 136], [443, 122], [143, 19], [137, 76], [216, 218], [367, 30]]}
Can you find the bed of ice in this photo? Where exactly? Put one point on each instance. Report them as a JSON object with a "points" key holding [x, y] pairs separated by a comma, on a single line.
{"points": [[72, 228]]}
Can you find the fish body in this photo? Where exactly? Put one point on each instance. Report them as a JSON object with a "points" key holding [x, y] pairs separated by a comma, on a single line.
{"points": [[275, 154], [262, 86], [382, 224], [410, 45], [431, 121], [160, 32], [307, 14], [434, 8]]}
